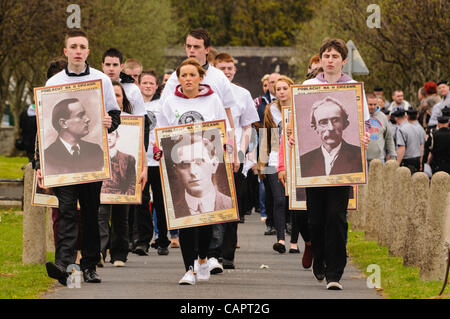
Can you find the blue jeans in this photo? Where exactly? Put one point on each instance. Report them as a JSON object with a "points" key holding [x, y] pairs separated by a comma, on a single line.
{"points": [[262, 196]]}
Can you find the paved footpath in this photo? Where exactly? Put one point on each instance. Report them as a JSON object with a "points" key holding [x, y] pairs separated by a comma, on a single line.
{"points": [[156, 277]]}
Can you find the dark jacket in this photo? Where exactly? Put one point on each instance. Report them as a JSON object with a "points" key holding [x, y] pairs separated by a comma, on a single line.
{"points": [[123, 175], [182, 210], [440, 150], [59, 161], [348, 161]]}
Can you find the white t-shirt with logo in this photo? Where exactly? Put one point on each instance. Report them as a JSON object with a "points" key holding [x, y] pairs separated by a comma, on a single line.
{"points": [[215, 78], [177, 110]]}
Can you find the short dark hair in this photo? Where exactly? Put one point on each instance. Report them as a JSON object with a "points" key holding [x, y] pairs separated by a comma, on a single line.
{"points": [[75, 33], [55, 66], [148, 72], [201, 34], [61, 110], [113, 52], [337, 44]]}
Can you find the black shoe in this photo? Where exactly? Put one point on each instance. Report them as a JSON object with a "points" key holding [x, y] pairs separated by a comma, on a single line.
{"points": [[141, 250], [163, 251], [270, 231], [90, 275], [57, 272], [154, 245], [294, 251], [318, 271], [279, 247], [227, 264], [242, 219]]}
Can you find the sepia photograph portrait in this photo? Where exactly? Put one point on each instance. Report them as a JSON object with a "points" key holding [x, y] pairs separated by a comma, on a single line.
{"points": [[328, 127], [197, 179], [72, 140], [126, 158]]}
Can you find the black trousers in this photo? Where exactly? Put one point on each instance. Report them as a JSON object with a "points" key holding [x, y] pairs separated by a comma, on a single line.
{"points": [[194, 241], [224, 235], [280, 204], [88, 195], [327, 212], [412, 163], [143, 217], [268, 199], [154, 179], [299, 226], [115, 237]]}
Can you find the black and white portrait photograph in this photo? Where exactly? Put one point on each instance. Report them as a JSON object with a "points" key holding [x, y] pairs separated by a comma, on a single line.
{"points": [[197, 177], [125, 151], [72, 139], [329, 125]]}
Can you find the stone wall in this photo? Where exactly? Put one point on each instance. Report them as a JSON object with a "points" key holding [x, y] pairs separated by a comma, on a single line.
{"points": [[408, 214], [6, 140]]}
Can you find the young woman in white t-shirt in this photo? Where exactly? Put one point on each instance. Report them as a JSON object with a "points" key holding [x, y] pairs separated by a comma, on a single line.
{"points": [[273, 125], [193, 102]]}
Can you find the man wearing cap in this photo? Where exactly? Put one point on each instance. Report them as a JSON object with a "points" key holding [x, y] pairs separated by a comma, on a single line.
{"points": [[443, 89], [412, 119], [407, 142]]}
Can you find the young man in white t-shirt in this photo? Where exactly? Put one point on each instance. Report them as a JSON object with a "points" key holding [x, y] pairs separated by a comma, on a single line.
{"points": [[244, 115], [197, 46], [112, 65], [148, 83], [327, 206], [87, 194]]}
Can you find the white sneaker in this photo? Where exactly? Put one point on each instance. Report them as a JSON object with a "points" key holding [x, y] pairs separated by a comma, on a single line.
{"points": [[334, 285], [119, 263], [214, 266], [188, 278], [203, 272]]}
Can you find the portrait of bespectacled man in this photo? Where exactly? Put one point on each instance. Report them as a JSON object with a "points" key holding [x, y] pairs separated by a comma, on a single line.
{"points": [[332, 154]]}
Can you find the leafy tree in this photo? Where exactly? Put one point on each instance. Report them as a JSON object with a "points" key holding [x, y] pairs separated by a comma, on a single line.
{"points": [[32, 33], [410, 48], [244, 22]]}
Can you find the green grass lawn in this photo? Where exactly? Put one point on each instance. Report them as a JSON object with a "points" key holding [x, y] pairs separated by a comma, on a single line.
{"points": [[397, 281], [18, 281], [11, 167]]}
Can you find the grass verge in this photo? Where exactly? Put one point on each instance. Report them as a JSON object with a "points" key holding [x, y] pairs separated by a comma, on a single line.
{"points": [[397, 281], [11, 167], [18, 281]]}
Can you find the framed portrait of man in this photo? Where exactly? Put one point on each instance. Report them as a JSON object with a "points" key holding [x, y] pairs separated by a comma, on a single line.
{"points": [[127, 155], [328, 126], [41, 196], [73, 144], [197, 180]]}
